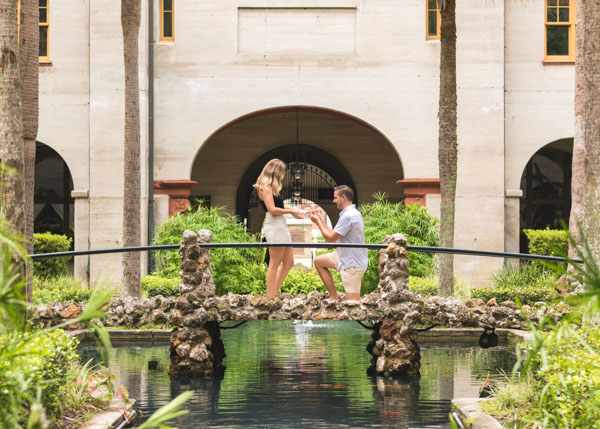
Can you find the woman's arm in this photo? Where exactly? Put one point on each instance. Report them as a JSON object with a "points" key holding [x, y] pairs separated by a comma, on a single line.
{"points": [[265, 193]]}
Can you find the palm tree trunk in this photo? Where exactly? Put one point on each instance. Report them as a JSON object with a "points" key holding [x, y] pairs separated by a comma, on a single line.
{"points": [[11, 128], [28, 63], [447, 144], [578, 167], [130, 22], [591, 124]]}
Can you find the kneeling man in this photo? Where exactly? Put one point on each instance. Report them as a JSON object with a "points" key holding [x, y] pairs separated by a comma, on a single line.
{"points": [[350, 262]]}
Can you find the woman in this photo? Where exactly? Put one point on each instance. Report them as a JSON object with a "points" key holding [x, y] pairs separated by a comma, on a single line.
{"points": [[281, 259]]}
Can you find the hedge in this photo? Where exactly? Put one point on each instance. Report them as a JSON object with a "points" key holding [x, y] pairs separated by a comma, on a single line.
{"points": [[47, 242]]}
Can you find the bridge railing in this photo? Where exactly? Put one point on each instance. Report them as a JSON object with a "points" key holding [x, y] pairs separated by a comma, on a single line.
{"points": [[427, 249]]}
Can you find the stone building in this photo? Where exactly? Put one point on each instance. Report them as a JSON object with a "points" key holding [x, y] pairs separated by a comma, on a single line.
{"points": [[351, 85]]}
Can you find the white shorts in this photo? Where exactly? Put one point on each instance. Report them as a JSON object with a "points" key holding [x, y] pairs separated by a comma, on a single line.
{"points": [[351, 276], [275, 229]]}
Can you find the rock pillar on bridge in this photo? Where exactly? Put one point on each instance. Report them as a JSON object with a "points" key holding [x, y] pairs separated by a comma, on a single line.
{"points": [[393, 346], [196, 346]]}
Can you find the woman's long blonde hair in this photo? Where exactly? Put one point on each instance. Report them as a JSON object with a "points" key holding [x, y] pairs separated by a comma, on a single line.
{"points": [[272, 174]]}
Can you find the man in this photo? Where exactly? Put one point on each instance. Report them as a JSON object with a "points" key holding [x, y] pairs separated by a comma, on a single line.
{"points": [[350, 262]]}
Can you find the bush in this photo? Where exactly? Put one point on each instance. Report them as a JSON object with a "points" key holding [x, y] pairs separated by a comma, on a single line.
{"points": [[234, 270], [306, 280], [428, 286], [153, 285], [60, 289], [420, 228], [547, 241], [528, 282], [527, 295], [50, 243], [424, 286], [43, 360]]}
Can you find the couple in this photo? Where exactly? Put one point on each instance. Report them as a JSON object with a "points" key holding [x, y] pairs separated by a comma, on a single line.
{"points": [[351, 262]]}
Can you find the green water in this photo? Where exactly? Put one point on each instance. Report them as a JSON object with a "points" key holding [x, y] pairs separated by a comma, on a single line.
{"points": [[306, 374]]}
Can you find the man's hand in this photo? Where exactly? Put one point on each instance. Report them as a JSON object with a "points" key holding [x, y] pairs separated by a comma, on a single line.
{"points": [[314, 217]]}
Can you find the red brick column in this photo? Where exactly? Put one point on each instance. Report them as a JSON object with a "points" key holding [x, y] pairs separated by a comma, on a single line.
{"points": [[416, 190], [179, 192]]}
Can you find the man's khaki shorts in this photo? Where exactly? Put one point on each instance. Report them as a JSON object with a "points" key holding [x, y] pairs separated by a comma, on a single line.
{"points": [[351, 277]]}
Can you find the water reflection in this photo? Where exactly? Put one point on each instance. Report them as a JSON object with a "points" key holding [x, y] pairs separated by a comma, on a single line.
{"points": [[285, 374]]}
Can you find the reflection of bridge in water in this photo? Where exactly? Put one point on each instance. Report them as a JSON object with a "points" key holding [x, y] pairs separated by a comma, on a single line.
{"points": [[393, 311]]}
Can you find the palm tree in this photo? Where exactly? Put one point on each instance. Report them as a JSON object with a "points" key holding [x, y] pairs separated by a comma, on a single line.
{"points": [[29, 40], [578, 167], [591, 124], [11, 129], [130, 23], [447, 142]]}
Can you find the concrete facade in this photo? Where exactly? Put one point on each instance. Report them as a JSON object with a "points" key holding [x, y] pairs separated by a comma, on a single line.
{"points": [[363, 74]]}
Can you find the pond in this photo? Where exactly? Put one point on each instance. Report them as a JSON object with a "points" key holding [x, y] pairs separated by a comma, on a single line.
{"points": [[313, 374]]}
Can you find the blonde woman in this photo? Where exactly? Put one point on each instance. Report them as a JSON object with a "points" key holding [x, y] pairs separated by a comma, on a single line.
{"points": [[281, 259]]}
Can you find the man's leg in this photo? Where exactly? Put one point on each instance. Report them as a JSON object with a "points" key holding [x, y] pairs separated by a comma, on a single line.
{"points": [[323, 264], [351, 278]]}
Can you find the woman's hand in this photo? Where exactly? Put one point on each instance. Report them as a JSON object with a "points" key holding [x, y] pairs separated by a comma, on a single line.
{"points": [[297, 213]]}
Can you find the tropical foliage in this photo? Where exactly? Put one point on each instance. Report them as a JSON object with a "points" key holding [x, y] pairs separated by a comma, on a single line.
{"points": [[420, 228], [558, 375], [49, 243]]}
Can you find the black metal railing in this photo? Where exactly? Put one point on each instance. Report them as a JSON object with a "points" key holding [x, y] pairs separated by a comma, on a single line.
{"points": [[427, 249]]}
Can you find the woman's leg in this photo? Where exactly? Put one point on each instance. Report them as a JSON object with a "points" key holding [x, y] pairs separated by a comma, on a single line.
{"points": [[275, 258], [286, 266]]}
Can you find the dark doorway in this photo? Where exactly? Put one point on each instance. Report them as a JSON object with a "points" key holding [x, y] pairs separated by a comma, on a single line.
{"points": [[546, 185], [323, 173], [54, 206]]}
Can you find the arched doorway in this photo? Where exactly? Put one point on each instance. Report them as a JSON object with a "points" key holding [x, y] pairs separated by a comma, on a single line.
{"points": [[323, 173], [339, 148], [54, 206], [546, 185]]}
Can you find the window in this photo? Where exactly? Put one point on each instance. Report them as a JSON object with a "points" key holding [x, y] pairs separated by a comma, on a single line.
{"points": [[560, 30], [44, 27], [432, 20], [166, 20]]}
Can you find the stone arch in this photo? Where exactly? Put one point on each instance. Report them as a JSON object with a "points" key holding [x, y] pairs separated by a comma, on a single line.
{"points": [[546, 186], [344, 147], [54, 206]]}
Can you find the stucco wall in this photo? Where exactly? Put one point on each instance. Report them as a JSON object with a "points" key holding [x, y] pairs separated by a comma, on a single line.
{"points": [[232, 58]]}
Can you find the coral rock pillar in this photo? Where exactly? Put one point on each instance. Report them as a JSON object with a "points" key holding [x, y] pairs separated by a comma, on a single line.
{"points": [[196, 346], [393, 346]]}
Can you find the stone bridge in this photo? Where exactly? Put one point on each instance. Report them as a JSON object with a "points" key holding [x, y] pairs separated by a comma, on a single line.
{"points": [[393, 311]]}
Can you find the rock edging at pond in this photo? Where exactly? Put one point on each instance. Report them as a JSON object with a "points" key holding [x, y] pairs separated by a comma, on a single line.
{"points": [[399, 305]]}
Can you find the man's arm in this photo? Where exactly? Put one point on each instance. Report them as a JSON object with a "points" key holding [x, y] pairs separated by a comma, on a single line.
{"points": [[329, 234]]}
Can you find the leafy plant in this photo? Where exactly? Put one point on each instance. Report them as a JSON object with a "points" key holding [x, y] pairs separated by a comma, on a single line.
{"points": [[382, 218], [49, 243], [60, 289], [561, 362], [231, 268], [154, 285]]}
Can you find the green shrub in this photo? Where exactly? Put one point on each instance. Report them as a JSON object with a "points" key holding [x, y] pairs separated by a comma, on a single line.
{"points": [[425, 286], [527, 295], [306, 280], [60, 289], [50, 243], [551, 242], [234, 270], [527, 282], [153, 285], [382, 218], [428, 286], [524, 275], [42, 361]]}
